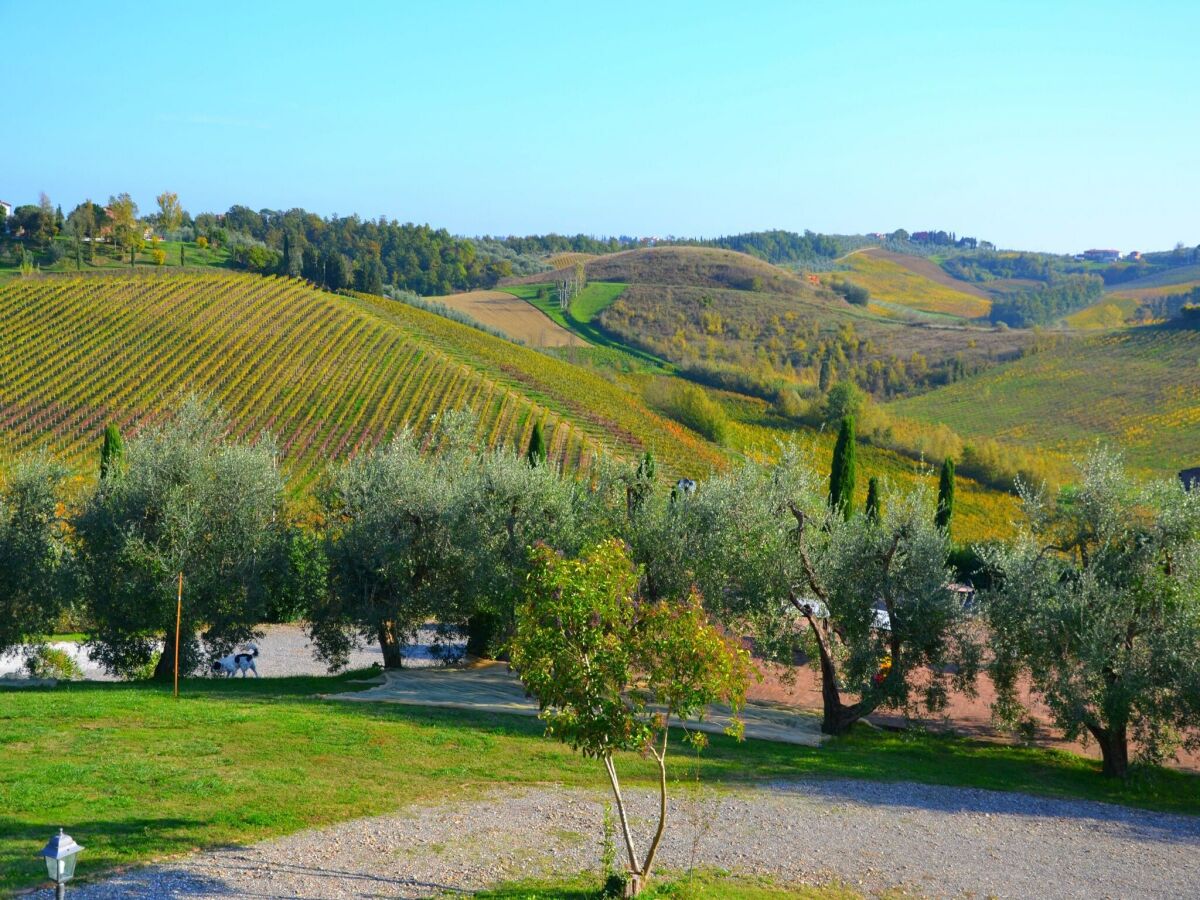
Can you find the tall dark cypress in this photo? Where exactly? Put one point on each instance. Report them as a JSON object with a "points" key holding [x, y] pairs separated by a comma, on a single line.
{"points": [[112, 452], [945, 501], [874, 508], [844, 472], [285, 263], [536, 454]]}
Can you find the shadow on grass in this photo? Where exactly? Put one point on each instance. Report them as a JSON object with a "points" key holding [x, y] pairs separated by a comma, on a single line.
{"points": [[864, 754]]}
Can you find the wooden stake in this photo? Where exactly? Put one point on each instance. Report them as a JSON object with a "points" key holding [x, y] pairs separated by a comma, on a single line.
{"points": [[178, 618]]}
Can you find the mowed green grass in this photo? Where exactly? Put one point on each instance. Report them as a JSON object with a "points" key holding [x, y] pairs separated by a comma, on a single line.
{"points": [[1137, 390], [135, 775], [194, 256], [693, 886], [585, 306]]}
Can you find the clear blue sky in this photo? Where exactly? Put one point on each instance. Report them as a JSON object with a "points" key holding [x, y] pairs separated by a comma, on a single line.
{"points": [[1058, 126]]}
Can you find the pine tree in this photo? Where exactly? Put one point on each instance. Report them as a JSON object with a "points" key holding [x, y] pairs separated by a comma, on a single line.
{"points": [[945, 500], [536, 454], [112, 452], [874, 508], [843, 474]]}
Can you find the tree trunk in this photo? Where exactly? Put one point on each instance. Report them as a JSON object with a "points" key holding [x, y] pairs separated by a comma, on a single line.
{"points": [[836, 716], [389, 643], [1114, 749], [165, 669]]}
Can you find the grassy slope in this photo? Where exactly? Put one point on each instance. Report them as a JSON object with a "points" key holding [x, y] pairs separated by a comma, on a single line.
{"points": [[1138, 389], [324, 373], [909, 283], [134, 775], [194, 257], [980, 513], [590, 302]]}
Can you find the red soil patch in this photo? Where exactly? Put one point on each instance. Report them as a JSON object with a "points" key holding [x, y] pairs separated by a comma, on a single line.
{"points": [[966, 716]]}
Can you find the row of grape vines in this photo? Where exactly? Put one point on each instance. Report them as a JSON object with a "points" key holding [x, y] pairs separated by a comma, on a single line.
{"points": [[322, 375]]}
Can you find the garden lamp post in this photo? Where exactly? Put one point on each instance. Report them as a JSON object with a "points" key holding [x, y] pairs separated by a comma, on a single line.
{"points": [[60, 852]]}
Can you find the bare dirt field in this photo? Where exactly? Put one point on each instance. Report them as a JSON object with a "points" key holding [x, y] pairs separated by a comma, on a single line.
{"points": [[513, 316], [966, 716]]}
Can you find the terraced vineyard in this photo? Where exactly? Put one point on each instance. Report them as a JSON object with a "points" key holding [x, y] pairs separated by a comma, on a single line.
{"points": [[1137, 389], [325, 374]]}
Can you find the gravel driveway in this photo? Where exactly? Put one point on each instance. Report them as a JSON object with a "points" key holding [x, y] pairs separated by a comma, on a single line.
{"points": [[284, 650], [930, 841]]}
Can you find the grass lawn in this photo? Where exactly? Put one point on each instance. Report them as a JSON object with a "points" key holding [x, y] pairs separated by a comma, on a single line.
{"points": [[696, 886], [133, 774], [106, 260]]}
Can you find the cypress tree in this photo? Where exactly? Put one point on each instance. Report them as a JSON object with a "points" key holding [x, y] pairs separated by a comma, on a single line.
{"points": [[285, 262], [873, 510], [945, 501], [843, 474], [181, 258], [112, 452], [536, 454]]}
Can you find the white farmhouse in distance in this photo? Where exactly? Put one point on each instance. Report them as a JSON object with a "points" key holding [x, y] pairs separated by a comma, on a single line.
{"points": [[8, 208]]}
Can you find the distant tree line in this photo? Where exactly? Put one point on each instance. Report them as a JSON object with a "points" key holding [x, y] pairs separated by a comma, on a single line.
{"points": [[351, 252], [1043, 304], [549, 244]]}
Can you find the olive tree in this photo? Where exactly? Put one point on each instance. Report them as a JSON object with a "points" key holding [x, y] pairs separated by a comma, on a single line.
{"points": [[1097, 602], [187, 500], [610, 669], [33, 551], [867, 599], [394, 560], [507, 507]]}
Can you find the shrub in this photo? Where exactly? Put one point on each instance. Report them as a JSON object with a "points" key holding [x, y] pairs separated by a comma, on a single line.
{"points": [[691, 406], [158, 255], [202, 242], [51, 662]]}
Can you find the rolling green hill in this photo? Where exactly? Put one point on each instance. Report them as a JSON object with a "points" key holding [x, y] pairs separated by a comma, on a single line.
{"points": [[714, 311], [324, 373], [902, 284], [327, 374], [1136, 389]]}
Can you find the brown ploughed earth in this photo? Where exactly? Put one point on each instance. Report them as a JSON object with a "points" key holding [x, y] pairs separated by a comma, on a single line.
{"points": [[965, 716], [518, 319]]}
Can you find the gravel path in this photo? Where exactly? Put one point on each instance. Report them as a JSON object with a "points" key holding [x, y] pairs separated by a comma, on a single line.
{"points": [[930, 841], [284, 650]]}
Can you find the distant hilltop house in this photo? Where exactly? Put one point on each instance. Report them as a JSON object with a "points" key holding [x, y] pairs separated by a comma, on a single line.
{"points": [[1101, 255], [7, 207], [1134, 255]]}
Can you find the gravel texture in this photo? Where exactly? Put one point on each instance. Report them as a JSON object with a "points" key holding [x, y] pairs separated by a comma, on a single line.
{"points": [[284, 650], [925, 840]]}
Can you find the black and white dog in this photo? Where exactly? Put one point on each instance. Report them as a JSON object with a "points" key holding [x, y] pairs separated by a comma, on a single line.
{"points": [[237, 662]]}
